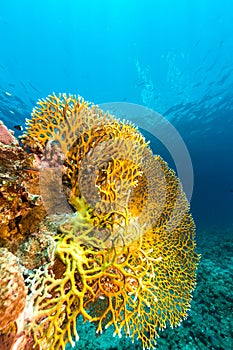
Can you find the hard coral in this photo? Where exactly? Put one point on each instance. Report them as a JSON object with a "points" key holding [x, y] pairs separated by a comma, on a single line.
{"points": [[20, 207], [8, 336], [12, 288], [7, 136], [125, 255]]}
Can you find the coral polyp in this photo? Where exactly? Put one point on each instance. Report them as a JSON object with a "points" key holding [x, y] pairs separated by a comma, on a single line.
{"points": [[124, 239]]}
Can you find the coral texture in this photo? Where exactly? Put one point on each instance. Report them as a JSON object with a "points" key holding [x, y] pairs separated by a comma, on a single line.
{"points": [[12, 289], [6, 136], [20, 207], [8, 336], [125, 248]]}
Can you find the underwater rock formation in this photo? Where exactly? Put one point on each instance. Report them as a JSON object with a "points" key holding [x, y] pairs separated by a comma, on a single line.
{"points": [[109, 220]]}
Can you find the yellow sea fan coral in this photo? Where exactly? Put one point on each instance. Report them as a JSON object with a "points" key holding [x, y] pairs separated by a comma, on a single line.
{"points": [[12, 288], [126, 252]]}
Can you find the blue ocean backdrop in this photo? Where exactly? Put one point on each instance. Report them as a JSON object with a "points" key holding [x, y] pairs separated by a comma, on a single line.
{"points": [[174, 57]]}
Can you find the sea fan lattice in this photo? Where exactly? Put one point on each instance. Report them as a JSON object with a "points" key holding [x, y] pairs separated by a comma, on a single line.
{"points": [[125, 256]]}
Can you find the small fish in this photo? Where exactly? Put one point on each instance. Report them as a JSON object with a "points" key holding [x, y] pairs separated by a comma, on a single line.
{"points": [[23, 86], [18, 127], [31, 170], [33, 87], [143, 83]]}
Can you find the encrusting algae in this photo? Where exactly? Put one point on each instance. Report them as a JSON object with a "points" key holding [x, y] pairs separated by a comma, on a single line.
{"points": [[120, 245]]}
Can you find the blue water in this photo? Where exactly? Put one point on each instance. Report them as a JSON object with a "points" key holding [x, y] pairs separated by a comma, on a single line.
{"points": [[174, 57]]}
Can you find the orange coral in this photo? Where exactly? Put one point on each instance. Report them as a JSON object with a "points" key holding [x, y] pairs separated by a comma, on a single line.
{"points": [[20, 207], [127, 250], [8, 336], [12, 289]]}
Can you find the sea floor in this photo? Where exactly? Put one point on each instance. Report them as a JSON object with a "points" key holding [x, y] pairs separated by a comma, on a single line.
{"points": [[210, 323]]}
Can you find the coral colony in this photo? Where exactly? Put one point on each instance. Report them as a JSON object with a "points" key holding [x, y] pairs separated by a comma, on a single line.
{"points": [[94, 228]]}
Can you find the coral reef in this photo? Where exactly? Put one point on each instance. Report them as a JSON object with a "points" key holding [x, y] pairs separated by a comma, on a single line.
{"points": [[121, 241], [21, 208], [8, 336], [7, 136], [12, 289]]}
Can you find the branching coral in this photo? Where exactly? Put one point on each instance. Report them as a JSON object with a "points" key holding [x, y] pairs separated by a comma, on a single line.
{"points": [[125, 254]]}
